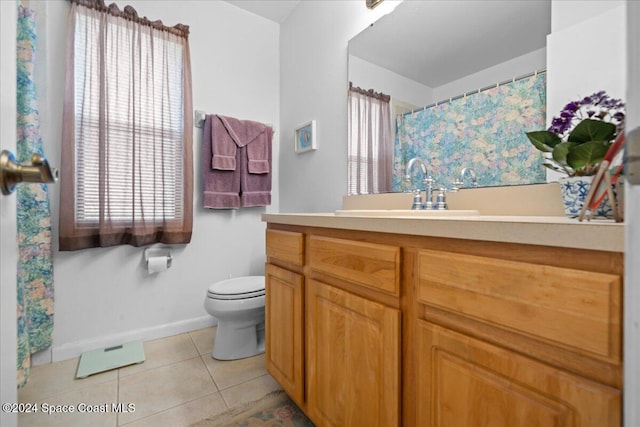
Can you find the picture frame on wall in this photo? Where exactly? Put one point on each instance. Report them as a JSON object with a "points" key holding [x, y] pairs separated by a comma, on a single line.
{"points": [[305, 137]]}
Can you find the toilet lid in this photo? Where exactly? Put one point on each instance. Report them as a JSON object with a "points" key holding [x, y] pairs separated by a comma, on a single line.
{"points": [[237, 288]]}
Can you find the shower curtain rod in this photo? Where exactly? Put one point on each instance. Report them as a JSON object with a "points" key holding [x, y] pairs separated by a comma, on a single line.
{"points": [[444, 101]]}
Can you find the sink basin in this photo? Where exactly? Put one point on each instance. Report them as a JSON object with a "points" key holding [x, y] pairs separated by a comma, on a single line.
{"points": [[405, 213]]}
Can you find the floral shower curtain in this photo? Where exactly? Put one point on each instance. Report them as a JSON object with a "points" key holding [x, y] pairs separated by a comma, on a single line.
{"points": [[35, 266], [485, 131]]}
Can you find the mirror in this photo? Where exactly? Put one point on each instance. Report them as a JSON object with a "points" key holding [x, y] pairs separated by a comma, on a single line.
{"points": [[434, 51]]}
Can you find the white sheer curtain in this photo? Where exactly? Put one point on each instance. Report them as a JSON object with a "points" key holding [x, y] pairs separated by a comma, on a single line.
{"points": [[370, 157], [127, 138]]}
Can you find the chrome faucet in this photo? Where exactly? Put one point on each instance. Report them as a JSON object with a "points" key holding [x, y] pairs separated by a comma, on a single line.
{"points": [[410, 164], [427, 181], [459, 183]]}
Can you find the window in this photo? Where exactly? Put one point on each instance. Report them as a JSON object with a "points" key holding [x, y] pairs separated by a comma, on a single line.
{"points": [[129, 132], [370, 157]]}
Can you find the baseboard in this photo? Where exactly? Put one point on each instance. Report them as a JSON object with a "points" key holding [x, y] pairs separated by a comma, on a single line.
{"points": [[75, 349]]}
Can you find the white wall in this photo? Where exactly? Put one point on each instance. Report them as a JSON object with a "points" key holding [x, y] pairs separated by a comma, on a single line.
{"points": [[104, 296], [366, 75], [524, 64], [8, 249], [313, 49], [583, 61], [565, 13]]}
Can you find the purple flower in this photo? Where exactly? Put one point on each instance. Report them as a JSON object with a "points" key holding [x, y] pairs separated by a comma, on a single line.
{"points": [[572, 107], [597, 106]]}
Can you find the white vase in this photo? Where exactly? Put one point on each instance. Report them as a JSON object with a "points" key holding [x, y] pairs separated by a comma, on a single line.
{"points": [[574, 192]]}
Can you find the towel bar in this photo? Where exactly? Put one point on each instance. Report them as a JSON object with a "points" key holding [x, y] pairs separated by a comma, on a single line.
{"points": [[199, 117]]}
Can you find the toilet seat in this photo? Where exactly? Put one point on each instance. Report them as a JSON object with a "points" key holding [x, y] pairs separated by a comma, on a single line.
{"points": [[237, 289]]}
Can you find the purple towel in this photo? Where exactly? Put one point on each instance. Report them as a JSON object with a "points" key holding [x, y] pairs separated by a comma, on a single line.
{"points": [[256, 184], [221, 187], [236, 163], [259, 154]]}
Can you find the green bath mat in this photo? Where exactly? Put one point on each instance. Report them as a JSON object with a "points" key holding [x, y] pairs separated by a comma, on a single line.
{"points": [[93, 362]]}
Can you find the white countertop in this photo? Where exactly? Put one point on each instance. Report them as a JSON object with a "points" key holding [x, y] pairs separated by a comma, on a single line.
{"points": [[604, 235]]}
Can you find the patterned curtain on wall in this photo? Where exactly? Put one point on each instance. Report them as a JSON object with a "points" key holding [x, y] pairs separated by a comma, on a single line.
{"points": [[484, 131], [35, 266]]}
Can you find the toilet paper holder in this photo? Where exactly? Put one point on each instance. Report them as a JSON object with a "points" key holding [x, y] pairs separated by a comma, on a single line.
{"points": [[158, 252]]}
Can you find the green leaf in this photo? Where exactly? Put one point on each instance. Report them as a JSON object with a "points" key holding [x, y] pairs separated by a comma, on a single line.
{"points": [[544, 140], [588, 153], [561, 151], [592, 130]]}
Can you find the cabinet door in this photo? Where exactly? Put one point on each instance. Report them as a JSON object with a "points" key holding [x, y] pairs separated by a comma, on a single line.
{"points": [[353, 365], [466, 382], [284, 323]]}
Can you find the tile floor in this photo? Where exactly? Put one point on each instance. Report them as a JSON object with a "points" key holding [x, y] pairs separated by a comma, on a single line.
{"points": [[178, 384]]}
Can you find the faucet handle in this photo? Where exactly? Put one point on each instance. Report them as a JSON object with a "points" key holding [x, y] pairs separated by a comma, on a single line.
{"points": [[441, 202], [417, 200]]}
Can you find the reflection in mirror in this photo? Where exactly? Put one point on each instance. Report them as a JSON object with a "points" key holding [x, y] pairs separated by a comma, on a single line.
{"points": [[370, 158], [426, 53]]}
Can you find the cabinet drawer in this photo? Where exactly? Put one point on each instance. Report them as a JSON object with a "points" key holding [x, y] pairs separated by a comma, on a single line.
{"points": [[371, 265], [567, 307], [286, 246]]}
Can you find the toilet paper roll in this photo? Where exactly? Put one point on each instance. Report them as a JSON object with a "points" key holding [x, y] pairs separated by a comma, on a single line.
{"points": [[157, 264]]}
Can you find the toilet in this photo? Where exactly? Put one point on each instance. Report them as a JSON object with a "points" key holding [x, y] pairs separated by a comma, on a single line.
{"points": [[238, 304]]}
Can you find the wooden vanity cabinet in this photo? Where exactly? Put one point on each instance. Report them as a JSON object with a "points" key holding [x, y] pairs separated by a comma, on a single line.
{"points": [[284, 312], [381, 329]]}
